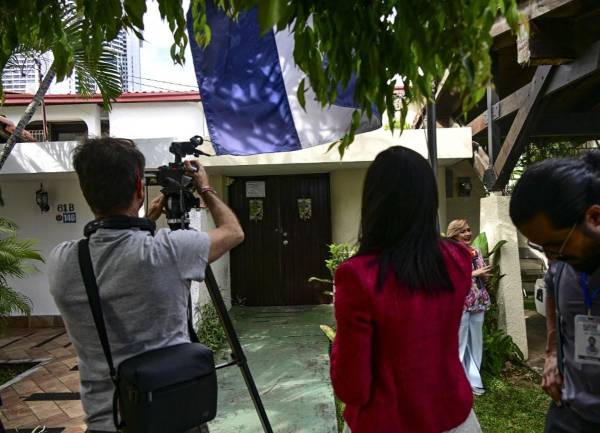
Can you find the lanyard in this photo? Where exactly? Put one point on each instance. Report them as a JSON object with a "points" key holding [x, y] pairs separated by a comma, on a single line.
{"points": [[585, 287]]}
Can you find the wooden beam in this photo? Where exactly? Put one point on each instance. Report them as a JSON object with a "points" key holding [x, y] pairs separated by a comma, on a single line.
{"points": [[531, 9], [543, 48], [481, 162], [517, 137], [584, 125], [565, 75], [483, 168]]}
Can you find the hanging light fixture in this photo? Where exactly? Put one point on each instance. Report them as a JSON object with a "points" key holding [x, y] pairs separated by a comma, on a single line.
{"points": [[41, 199]]}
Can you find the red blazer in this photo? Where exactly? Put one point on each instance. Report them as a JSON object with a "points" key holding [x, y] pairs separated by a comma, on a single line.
{"points": [[395, 356]]}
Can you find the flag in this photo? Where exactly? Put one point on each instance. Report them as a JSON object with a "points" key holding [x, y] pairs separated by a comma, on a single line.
{"points": [[248, 84]]}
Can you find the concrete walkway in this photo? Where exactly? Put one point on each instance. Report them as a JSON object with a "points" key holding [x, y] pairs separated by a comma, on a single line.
{"points": [[287, 354], [55, 373]]}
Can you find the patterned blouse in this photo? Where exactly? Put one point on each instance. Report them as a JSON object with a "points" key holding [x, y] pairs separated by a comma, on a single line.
{"points": [[478, 299]]}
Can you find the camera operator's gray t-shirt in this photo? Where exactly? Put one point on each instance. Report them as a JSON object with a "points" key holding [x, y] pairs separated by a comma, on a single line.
{"points": [[143, 283]]}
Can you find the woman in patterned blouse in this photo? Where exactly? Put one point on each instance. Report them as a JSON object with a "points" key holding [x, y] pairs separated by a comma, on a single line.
{"points": [[477, 303]]}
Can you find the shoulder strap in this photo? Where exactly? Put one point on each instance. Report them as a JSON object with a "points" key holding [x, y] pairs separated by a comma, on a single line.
{"points": [[560, 267], [91, 288]]}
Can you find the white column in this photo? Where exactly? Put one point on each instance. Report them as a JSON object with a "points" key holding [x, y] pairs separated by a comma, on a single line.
{"points": [[495, 222]]}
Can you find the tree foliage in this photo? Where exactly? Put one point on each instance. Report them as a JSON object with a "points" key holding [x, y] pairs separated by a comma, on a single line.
{"points": [[536, 152], [32, 28], [382, 43]]}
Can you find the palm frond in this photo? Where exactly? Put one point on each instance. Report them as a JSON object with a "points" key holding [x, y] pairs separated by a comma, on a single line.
{"points": [[20, 249], [12, 301], [7, 226], [92, 69]]}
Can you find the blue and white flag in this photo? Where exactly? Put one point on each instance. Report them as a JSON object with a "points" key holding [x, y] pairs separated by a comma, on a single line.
{"points": [[248, 84]]}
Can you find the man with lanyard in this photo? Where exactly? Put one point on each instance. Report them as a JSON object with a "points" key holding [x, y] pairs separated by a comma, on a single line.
{"points": [[556, 205]]}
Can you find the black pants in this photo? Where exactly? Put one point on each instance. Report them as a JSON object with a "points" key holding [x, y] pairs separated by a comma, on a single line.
{"points": [[563, 419]]}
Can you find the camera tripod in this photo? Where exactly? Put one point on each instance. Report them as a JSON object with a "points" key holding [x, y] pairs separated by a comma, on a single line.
{"points": [[237, 353], [180, 200]]}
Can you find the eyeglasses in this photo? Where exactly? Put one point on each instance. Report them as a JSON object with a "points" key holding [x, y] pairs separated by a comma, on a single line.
{"points": [[558, 255]]}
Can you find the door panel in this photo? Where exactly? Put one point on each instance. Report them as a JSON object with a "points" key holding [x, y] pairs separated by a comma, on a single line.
{"points": [[286, 247], [308, 235], [256, 264]]}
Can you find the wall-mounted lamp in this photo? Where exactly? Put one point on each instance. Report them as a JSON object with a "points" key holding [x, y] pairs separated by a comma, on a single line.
{"points": [[464, 187], [41, 199]]}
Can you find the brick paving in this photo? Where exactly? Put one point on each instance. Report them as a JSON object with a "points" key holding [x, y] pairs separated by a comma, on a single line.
{"points": [[53, 375]]}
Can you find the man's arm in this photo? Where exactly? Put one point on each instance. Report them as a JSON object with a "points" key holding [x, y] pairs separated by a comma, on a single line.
{"points": [[228, 234], [9, 128], [551, 378]]}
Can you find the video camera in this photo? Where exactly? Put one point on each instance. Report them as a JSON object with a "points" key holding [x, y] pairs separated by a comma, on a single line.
{"points": [[177, 186]]}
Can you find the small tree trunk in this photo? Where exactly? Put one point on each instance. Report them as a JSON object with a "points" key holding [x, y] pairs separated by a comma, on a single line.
{"points": [[29, 112]]}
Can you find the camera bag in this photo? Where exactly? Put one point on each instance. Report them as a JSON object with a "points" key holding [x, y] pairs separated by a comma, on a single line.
{"points": [[166, 390]]}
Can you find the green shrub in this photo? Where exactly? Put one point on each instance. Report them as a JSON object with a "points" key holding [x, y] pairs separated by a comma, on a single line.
{"points": [[210, 331], [338, 253], [498, 349]]}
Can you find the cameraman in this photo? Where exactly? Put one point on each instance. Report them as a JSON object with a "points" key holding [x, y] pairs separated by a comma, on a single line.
{"points": [[143, 280]]}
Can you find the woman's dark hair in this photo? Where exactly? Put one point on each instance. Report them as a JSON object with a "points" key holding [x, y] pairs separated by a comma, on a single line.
{"points": [[560, 188], [399, 221], [108, 169]]}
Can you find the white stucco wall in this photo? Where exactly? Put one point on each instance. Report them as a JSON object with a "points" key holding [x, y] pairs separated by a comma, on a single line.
{"points": [[496, 223], [346, 196], [87, 113], [180, 120], [20, 207]]}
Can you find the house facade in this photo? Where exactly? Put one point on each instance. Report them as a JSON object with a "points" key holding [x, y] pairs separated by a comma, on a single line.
{"points": [[292, 204]]}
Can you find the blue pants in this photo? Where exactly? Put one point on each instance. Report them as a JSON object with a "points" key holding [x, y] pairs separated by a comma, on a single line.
{"points": [[470, 343]]}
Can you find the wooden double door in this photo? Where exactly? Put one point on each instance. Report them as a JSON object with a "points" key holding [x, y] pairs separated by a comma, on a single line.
{"points": [[287, 226]]}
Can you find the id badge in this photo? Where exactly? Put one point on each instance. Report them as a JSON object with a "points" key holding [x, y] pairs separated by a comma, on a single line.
{"points": [[587, 339]]}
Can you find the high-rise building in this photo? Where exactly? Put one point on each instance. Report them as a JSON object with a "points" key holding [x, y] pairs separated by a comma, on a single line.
{"points": [[127, 50], [22, 77]]}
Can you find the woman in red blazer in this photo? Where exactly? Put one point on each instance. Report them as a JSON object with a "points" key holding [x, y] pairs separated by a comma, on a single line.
{"points": [[398, 305]]}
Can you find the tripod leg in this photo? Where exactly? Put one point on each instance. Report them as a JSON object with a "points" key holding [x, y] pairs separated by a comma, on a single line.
{"points": [[236, 347]]}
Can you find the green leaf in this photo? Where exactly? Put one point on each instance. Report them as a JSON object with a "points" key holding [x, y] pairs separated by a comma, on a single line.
{"points": [[328, 331], [497, 247], [271, 13], [135, 10], [481, 243], [301, 93]]}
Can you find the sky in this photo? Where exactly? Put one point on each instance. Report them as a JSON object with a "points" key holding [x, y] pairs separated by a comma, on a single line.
{"points": [[155, 57]]}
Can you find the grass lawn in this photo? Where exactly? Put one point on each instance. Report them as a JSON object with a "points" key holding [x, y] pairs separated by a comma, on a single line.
{"points": [[529, 303], [514, 403]]}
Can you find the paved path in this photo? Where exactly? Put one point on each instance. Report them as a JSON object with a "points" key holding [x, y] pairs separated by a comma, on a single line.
{"points": [[55, 374], [287, 354], [536, 339]]}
